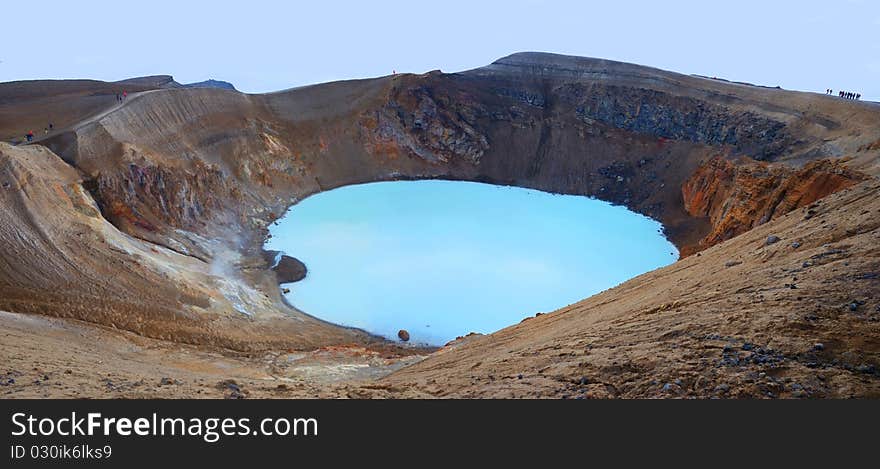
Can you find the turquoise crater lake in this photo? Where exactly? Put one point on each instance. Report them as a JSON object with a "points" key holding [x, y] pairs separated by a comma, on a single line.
{"points": [[443, 258]]}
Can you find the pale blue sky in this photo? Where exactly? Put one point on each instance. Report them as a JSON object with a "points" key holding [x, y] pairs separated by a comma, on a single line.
{"points": [[262, 45]]}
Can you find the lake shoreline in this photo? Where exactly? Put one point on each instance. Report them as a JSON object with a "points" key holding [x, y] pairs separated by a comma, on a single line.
{"points": [[379, 251]]}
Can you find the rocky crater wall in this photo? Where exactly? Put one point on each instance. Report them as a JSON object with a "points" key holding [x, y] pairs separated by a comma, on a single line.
{"points": [[203, 172]]}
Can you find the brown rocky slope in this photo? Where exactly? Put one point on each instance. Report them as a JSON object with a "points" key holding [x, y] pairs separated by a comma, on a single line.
{"points": [[794, 318], [60, 257], [193, 177]]}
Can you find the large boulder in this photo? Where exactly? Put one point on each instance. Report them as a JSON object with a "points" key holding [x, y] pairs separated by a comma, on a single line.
{"points": [[290, 269]]}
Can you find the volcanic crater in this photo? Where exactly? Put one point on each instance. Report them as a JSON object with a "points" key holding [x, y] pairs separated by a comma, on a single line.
{"points": [[143, 222]]}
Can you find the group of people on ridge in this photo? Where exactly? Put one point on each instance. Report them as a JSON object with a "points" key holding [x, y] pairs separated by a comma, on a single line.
{"points": [[121, 97], [845, 94], [30, 135]]}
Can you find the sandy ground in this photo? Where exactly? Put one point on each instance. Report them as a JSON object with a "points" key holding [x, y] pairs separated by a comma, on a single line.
{"points": [[46, 357]]}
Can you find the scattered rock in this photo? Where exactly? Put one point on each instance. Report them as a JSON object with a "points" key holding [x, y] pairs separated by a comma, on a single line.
{"points": [[818, 347], [290, 269], [722, 388], [403, 335], [168, 382], [231, 389], [772, 239], [795, 244], [732, 263], [829, 252]]}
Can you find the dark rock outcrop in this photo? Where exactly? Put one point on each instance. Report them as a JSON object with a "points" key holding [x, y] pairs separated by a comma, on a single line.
{"points": [[667, 116], [432, 130], [290, 269]]}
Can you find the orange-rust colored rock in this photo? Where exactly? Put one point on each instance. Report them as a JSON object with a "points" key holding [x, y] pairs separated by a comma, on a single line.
{"points": [[739, 195]]}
